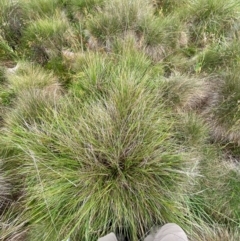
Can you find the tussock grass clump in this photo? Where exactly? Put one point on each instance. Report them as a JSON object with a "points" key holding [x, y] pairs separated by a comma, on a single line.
{"points": [[168, 6], [224, 113], [50, 28], [31, 83], [12, 22], [30, 107], [184, 92], [97, 73], [116, 158], [92, 76], [11, 227], [39, 9], [28, 76], [153, 33], [160, 30], [218, 56], [151, 89], [45, 37], [118, 16], [211, 19]]}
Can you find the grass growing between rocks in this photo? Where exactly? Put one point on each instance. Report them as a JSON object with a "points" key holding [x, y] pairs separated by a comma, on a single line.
{"points": [[118, 117]]}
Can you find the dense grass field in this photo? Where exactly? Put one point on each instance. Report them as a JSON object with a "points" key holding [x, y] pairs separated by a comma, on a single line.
{"points": [[119, 116]]}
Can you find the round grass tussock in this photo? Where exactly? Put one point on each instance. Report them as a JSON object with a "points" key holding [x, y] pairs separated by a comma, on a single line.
{"points": [[46, 28], [119, 116], [46, 36], [184, 92], [29, 76], [219, 56], [36, 9], [30, 107], [117, 16], [224, 114], [95, 73], [12, 22], [210, 20], [160, 30], [169, 6], [111, 165]]}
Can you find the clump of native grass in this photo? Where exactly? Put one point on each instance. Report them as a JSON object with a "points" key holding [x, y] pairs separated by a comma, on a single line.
{"points": [[95, 73], [155, 34], [162, 35], [29, 76], [39, 9], [26, 79], [76, 10], [220, 55], [168, 6], [210, 20], [184, 92], [45, 37], [108, 165], [12, 22], [224, 112], [125, 148], [117, 17]]}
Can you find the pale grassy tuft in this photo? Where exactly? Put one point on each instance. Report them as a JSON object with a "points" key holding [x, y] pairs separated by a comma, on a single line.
{"points": [[27, 76], [5, 190], [217, 232], [31, 106], [184, 92], [223, 114], [12, 228], [157, 52]]}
